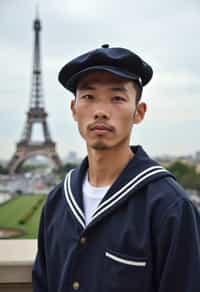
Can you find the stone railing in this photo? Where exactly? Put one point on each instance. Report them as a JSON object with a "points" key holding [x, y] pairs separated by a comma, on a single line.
{"points": [[16, 259]]}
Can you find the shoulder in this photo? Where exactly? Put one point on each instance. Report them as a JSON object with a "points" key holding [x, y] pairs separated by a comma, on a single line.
{"points": [[169, 201], [56, 197], [167, 190], [58, 190], [55, 193]]}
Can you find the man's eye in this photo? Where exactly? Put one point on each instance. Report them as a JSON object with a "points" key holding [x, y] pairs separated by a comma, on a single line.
{"points": [[118, 98], [87, 97]]}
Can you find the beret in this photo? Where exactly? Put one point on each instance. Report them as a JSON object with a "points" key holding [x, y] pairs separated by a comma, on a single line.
{"points": [[119, 61]]}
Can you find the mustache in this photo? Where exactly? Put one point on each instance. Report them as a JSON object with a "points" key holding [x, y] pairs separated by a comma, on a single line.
{"points": [[92, 126]]}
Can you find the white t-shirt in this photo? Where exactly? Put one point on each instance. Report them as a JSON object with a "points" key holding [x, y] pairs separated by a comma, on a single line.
{"points": [[92, 197]]}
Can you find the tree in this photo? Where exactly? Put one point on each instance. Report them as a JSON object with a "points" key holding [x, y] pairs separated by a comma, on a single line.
{"points": [[185, 174]]}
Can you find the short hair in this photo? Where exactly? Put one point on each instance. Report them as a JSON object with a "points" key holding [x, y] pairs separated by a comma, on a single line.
{"points": [[138, 89]]}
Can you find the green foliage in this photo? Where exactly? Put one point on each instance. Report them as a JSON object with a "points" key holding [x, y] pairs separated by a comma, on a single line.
{"points": [[30, 168], [186, 175]]}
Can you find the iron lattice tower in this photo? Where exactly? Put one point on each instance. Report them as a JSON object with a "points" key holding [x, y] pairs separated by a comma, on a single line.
{"points": [[36, 114]]}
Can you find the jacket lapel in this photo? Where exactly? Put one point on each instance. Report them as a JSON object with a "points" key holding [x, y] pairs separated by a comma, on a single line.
{"points": [[73, 192]]}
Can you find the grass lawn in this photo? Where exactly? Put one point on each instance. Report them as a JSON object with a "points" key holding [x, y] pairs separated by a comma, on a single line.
{"points": [[23, 207]]}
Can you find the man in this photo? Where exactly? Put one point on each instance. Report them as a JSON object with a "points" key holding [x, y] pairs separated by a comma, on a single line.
{"points": [[119, 222]]}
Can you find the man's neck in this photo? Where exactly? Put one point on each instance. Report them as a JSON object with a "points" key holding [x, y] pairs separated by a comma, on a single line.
{"points": [[106, 165]]}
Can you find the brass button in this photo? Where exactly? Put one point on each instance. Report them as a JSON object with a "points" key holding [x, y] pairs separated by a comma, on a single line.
{"points": [[83, 240], [76, 285]]}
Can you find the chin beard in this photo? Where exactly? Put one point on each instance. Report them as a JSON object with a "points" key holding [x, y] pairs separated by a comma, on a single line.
{"points": [[99, 145]]}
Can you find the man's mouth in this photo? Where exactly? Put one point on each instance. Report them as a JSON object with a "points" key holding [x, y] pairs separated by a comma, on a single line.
{"points": [[100, 128]]}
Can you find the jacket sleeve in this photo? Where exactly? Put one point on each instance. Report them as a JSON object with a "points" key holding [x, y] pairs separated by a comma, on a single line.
{"points": [[39, 271], [178, 249]]}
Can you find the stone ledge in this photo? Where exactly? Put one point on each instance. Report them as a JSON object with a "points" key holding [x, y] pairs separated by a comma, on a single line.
{"points": [[15, 287], [16, 260]]}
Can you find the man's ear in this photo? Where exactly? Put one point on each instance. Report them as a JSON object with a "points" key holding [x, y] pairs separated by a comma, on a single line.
{"points": [[73, 109], [139, 112]]}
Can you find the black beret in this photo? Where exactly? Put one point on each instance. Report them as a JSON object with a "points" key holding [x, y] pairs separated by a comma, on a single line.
{"points": [[119, 61]]}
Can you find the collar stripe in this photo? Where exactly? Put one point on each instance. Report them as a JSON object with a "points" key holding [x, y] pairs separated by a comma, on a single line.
{"points": [[67, 192], [78, 213], [97, 213], [127, 185], [76, 206]]}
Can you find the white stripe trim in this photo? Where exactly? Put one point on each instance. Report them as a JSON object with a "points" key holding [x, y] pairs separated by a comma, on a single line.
{"points": [[127, 262], [125, 186], [69, 202], [78, 213], [73, 199], [127, 191]]}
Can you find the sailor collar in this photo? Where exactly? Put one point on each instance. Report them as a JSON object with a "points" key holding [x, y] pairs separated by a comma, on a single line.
{"points": [[140, 170]]}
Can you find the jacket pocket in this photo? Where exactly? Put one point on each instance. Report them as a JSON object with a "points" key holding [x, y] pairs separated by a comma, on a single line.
{"points": [[123, 273]]}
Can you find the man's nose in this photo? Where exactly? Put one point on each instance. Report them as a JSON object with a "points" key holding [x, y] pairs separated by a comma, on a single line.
{"points": [[101, 114]]}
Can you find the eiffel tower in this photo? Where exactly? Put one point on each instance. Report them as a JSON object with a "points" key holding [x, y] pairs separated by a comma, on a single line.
{"points": [[36, 114]]}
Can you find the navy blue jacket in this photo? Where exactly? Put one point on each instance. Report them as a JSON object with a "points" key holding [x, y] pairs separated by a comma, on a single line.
{"points": [[143, 237]]}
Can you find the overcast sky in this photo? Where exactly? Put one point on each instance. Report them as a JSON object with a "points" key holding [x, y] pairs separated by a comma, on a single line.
{"points": [[164, 33]]}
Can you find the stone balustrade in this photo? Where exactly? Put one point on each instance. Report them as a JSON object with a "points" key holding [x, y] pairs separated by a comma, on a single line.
{"points": [[16, 260]]}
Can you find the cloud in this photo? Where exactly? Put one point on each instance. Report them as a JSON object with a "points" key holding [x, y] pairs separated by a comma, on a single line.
{"points": [[164, 33]]}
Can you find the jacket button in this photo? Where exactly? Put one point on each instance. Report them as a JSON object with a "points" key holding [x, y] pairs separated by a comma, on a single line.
{"points": [[83, 240], [76, 285]]}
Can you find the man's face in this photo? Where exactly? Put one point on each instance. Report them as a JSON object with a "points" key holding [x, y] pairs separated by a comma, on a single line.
{"points": [[105, 110]]}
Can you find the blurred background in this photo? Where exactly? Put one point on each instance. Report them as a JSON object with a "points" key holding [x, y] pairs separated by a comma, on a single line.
{"points": [[163, 33]]}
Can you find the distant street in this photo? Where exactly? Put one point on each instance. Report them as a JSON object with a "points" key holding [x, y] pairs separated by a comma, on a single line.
{"points": [[26, 184]]}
